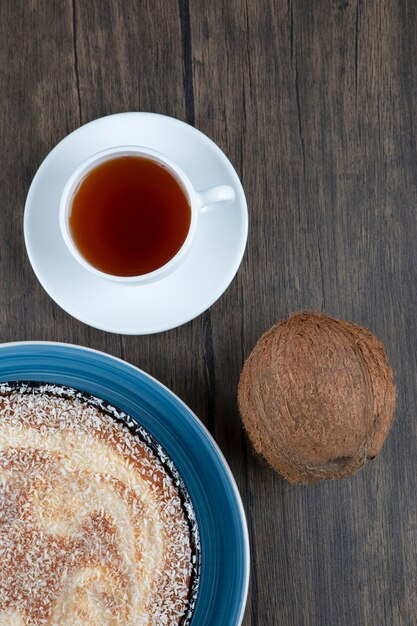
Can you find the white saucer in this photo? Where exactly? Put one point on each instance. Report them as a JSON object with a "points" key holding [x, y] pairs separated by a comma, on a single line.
{"points": [[137, 309]]}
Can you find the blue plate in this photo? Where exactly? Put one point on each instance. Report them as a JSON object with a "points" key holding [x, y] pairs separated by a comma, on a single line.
{"points": [[218, 507]]}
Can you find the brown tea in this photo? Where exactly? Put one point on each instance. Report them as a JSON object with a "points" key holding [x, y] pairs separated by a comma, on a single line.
{"points": [[129, 216]]}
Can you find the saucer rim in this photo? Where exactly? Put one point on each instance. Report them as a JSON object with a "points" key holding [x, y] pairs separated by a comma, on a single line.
{"points": [[229, 275]]}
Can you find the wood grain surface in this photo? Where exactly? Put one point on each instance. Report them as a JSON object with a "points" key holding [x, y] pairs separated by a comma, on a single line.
{"points": [[314, 101]]}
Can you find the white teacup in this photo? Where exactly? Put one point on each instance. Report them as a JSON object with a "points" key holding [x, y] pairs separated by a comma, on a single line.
{"points": [[200, 202]]}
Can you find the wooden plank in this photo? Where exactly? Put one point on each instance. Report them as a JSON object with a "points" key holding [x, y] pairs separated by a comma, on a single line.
{"points": [[307, 100]]}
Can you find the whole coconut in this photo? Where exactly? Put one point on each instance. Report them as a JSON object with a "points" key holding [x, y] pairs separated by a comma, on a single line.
{"points": [[317, 397]]}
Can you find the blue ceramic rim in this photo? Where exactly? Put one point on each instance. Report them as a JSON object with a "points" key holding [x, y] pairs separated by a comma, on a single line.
{"points": [[200, 426]]}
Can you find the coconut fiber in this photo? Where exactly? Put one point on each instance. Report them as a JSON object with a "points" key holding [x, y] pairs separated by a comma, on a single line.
{"points": [[317, 397]]}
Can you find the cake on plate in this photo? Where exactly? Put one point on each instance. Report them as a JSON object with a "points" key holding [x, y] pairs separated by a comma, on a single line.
{"points": [[96, 526]]}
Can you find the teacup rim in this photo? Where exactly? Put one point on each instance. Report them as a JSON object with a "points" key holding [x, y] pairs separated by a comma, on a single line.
{"points": [[100, 157]]}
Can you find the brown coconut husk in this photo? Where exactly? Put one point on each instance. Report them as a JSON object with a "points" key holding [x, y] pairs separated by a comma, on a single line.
{"points": [[317, 397]]}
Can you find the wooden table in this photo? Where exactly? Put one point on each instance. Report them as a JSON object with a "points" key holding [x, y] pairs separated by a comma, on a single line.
{"points": [[314, 101]]}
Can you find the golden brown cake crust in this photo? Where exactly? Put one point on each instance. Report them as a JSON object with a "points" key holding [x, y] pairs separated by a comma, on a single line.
{"points": [[94, 528]]}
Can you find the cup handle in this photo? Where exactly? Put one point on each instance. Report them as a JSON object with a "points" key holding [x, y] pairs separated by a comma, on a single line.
{"points": [[211, 198]]}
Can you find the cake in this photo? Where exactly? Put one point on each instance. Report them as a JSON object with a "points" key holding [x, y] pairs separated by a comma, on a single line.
{"points": [[96, 526]]}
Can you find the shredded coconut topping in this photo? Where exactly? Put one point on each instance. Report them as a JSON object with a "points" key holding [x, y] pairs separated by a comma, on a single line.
{"points": [[96, 526]]}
